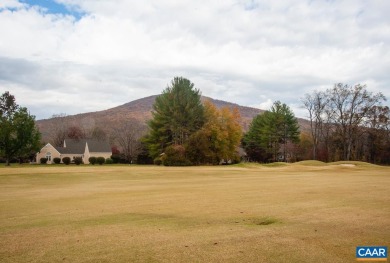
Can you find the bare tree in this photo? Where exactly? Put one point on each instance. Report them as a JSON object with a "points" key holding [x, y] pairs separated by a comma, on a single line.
{"points": [[128, 136], [58, 130], [350, 106], [377, 133], [76, 132], [63, 126], [339, 120], [327, 130], [97, 133], [315, 103]]}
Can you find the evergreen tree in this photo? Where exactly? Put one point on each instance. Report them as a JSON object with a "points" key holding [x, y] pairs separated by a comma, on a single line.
{"points": [[177, 114], [269, 131], [285, 126], [19, 136], [255, 140]]}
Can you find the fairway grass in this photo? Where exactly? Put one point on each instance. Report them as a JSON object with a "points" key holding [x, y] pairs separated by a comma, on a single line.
{"points": [[302, 212]]}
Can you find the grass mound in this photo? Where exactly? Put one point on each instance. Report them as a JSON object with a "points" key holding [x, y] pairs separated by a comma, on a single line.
{"points": [[248, 165], [311, 163], [275, 164], [260, 165]]}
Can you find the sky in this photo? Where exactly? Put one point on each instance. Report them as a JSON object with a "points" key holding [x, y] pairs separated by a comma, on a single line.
{"points": [[75, 56]]}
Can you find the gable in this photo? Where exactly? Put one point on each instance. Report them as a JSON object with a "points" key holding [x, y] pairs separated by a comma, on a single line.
{"points": [[49, 148]]}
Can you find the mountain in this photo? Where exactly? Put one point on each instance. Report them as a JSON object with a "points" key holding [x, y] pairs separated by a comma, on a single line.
{"points": [[139, 110]]}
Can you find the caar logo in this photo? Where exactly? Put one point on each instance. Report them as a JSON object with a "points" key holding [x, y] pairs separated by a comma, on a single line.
{"points": [[371, 253]]}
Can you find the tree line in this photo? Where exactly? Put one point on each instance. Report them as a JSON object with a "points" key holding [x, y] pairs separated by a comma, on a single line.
{"points": [[346, 123]]}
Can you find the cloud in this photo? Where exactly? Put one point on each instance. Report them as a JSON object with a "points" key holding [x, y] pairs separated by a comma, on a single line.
{"points": [[102, 54], [11, 4], [266, 105]]}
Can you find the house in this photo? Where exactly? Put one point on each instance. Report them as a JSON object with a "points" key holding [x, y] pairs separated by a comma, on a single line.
{"points": [[83, 148]]}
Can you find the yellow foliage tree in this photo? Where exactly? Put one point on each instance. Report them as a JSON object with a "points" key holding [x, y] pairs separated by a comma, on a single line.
{"points": [[219, 138]]}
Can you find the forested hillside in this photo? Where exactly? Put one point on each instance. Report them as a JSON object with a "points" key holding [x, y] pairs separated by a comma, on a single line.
{"points": [[140, 111]]}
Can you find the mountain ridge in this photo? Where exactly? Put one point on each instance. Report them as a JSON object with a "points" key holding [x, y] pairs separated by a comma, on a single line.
{"points": [[140, 110]]}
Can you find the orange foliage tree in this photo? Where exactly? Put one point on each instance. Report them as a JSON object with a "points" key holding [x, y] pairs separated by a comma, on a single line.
{"points": [[218, 139]]}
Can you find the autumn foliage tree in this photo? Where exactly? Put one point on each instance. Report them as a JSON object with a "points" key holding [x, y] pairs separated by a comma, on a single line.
{"points": [[184, 131], [219, 138]]}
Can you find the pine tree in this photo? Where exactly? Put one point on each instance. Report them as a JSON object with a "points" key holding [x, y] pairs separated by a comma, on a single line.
{"points": [[269, 131], [177, 114], [285, 126]]}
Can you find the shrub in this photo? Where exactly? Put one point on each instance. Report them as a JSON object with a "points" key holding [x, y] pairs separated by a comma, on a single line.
{"points": [[92, 160], [119, 158], [78, 160], [100, 160], [57, 160], [43, 160], [175, 156], [14, 160], [66, 160], [109, 161], [157, 161], [144, 158], [115, 158]]}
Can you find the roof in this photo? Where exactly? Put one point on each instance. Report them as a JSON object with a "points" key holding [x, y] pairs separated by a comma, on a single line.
{"points": [[78, 146], [98, 146]]}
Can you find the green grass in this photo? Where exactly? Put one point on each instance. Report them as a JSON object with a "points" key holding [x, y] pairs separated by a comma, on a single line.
{"points": [[303, 212]]}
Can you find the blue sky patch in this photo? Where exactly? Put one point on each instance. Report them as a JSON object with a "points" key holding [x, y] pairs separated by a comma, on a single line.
{"points": [[53, 7]]}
